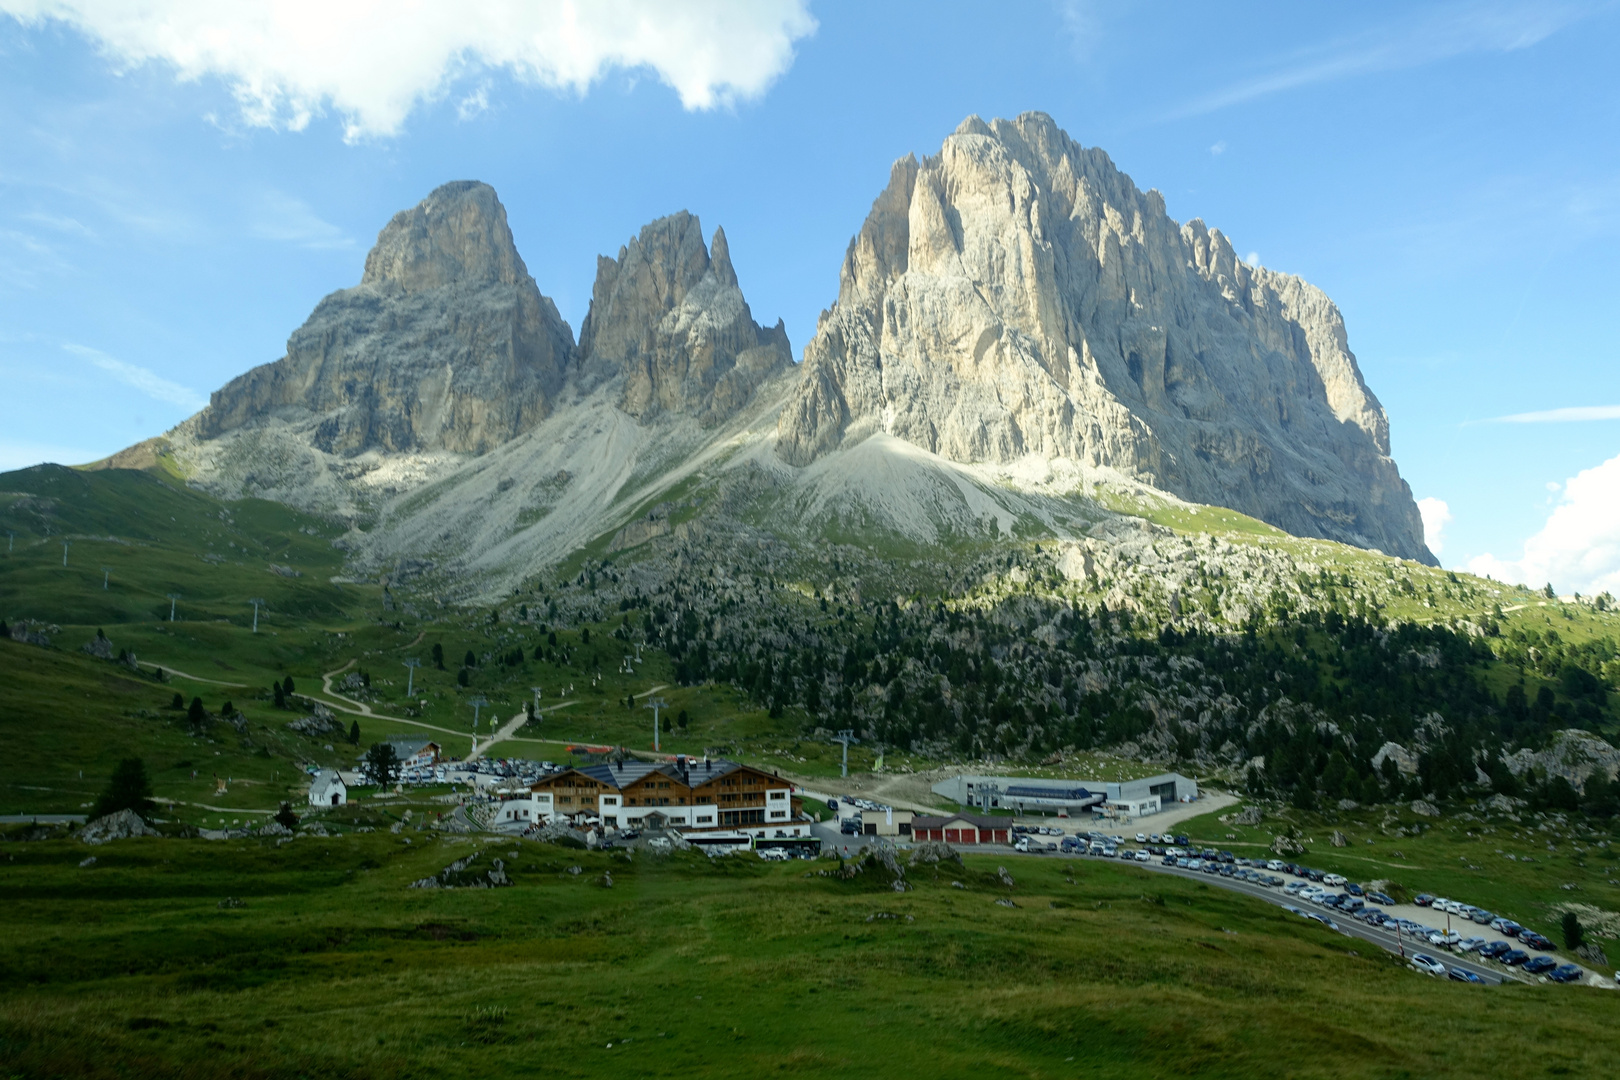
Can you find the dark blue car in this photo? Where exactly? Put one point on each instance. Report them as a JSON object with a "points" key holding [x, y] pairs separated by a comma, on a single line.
{"points": [[1567, 973]]}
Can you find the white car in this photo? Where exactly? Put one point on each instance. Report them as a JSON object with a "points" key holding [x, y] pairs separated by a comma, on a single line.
{"points": [[1141, 838], [1428, 964], [1333, 879]]}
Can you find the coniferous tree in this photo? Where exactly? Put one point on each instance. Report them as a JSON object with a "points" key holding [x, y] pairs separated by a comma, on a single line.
{"points": [[469, 660], [127, 789], [438, 656], [354, 733], [196, 714]]}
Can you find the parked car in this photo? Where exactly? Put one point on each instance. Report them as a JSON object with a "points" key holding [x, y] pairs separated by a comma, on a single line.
{"points": [[1423, 899], [1539, 965], [1354, 890], [1182, 841], [1460, 975], [1071, 844], [832, 804], [1428, 964], [1567, 973], [1514, 957], [1536, 941], [1379, 898], [1482, 916], [850, 827], [1141, 838], [1494, 949], [1511, 928]]}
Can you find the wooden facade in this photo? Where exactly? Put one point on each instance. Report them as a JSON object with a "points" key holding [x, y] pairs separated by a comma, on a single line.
{"points": [[685, 793]]}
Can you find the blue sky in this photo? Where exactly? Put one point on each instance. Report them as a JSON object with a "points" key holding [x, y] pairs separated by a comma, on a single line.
{"points": [[1449, 173]]}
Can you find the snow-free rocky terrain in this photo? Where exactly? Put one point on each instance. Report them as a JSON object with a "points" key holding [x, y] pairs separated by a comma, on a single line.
{"points": [[1022, 339]]}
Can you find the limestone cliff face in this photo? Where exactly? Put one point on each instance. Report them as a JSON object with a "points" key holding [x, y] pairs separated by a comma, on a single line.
{"points": [[1017, 294], [446, 343], [668, 314]]}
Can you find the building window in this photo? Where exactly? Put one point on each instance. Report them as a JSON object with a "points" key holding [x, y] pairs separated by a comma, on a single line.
{"points": [[705, 819], [611, 822]]}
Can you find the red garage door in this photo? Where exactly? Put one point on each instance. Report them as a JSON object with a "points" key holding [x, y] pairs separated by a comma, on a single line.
{"points": [[953, 836]]}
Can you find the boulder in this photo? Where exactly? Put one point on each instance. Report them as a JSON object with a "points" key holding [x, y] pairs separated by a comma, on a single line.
{"points": [[98, 647], [1425, 808], [1286, 845], [1338, 839], [118, 826], [1249, 815]]}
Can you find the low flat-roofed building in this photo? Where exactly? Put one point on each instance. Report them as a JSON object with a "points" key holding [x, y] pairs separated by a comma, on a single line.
{"points": [[886, 822], [1025, 794], [961, 829]]}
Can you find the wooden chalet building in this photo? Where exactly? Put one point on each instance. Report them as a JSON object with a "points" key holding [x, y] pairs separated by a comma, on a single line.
{"points": [[962, 829], [685, 794]]}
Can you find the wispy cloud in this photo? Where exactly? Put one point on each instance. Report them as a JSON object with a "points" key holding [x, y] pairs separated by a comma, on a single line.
{"points": [[1560, 416], [1454, 30], [288, 220], [147, 382]]}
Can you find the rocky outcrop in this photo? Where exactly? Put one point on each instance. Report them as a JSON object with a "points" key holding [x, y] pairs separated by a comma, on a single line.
{"points": [[1016, 294], [121, 825], [1571, 753], [446, 343], [669, 316]]}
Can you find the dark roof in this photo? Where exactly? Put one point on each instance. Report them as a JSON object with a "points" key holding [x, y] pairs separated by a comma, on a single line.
{"points": [[982, 822], [403, 747], [1034, 791], [696, 774]]}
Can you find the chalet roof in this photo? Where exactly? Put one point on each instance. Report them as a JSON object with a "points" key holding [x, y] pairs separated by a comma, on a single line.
{"points": [[697, 773], [407, 747], [326, 779]]}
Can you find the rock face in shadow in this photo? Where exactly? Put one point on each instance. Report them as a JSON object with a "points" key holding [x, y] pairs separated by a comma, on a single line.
{"points": [[1016, 294], [669, 316], [446, 343]]}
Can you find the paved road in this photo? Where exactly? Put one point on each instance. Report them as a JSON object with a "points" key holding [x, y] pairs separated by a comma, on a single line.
{"points": [[1350, 927]]}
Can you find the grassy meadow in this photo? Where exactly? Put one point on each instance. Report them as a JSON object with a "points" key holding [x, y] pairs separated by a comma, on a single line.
{"points": [[131, 967]]}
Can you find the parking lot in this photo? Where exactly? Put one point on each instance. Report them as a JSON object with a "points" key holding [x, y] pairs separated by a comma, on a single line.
{"points": [[1440, 938]]}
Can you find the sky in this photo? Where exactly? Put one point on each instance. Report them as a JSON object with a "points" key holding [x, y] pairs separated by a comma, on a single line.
{"points": [[181, 182]]}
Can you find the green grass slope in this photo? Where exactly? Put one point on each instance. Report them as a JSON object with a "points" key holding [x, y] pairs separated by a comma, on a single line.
{"points": [[332, 966]]}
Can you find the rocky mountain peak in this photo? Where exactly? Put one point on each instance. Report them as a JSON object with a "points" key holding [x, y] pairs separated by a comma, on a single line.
{"points": [[669, 317], [1016, 294], [446, 344], [457, 235]]}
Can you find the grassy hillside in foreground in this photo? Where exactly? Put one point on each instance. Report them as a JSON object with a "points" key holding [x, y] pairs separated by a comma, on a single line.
{"points": [[130, 967]]}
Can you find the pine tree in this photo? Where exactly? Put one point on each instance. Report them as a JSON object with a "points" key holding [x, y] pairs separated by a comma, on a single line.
{"points": [[438, 656], [128, 789], [196, 714], [354, 733]]}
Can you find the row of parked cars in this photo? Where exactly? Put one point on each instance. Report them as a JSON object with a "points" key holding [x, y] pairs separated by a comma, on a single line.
{"points": [[1333, 892]]}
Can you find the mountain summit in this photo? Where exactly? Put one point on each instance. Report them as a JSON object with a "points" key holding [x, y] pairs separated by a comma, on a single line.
{"points": [[446, 343], [1016, 294], [668, 315]]}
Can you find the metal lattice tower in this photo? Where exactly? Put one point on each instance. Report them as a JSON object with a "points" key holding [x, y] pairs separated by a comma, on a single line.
{"points": [[411, 665], [172, 598], [256, 602]]}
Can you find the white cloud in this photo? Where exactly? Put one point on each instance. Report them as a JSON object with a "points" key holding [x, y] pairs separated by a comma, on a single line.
{"points": [[1252, 258], [1452, 30], [20, 455], [1219, 148], [1578, 550], [1563, 416], [288, 220], [373, 62], [1436, 516], [149, 383]]}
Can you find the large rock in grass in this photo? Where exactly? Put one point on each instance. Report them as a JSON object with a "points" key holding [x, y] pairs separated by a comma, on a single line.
{"points": [[121, 825]]}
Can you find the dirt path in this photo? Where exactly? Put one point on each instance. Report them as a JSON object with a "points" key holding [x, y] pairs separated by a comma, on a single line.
{"points": [[512, 727], [198, 678]]}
